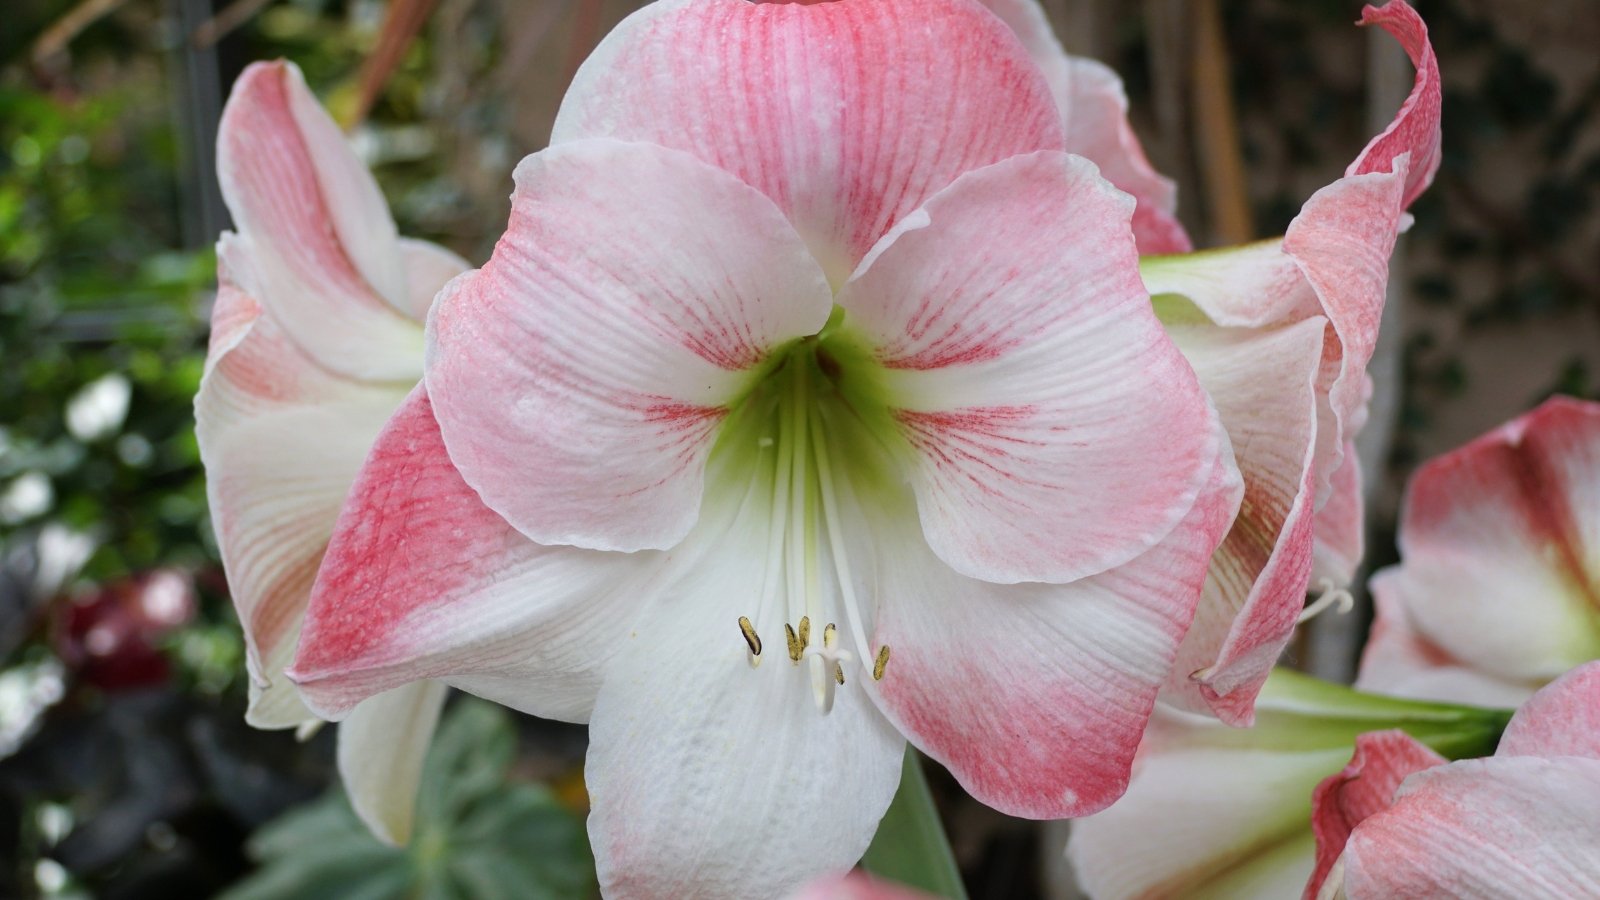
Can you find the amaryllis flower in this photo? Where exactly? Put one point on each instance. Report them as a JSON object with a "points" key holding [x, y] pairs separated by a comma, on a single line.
{"points": [[1399, 822], [1498, 587], [316, 338], [811, 402], [1280, 333], [1224, 812]]}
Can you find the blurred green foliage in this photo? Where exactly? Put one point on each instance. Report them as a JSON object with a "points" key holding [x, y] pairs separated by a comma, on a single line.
{"points": [[480, 834]]}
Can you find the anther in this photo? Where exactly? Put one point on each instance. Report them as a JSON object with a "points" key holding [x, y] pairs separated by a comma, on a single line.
{"points": [[882, 663], [805, 632], [838, 673], [751, 640], [796, 649], [830, 636]]}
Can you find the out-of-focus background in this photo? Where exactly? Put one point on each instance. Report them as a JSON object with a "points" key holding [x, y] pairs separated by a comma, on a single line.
{"points": [[125, 767]]}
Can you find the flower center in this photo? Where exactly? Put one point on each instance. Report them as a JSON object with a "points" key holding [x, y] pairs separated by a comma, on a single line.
{"points": [[812, 436]]}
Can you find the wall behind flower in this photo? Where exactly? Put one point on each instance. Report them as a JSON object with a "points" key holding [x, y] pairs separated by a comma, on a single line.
{"points": [[124, 768]]}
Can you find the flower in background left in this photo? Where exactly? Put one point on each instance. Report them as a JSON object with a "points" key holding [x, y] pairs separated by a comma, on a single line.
{"points": [[316, 338]]}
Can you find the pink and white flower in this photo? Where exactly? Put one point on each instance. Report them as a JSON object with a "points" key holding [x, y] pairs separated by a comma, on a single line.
{"points": [[1521, 823], [1280, 333], [805, 407], [1498, 588], [316, 338], [1215, 811]]}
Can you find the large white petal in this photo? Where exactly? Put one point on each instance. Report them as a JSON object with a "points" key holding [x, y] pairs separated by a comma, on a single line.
{"points": [[382, 746]]}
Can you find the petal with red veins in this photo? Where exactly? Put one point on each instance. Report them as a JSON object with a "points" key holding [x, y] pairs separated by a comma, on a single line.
{"points": [[1401, 662], [421, 580], [1562, 719], [1341, 526], [1480, 828], [1027, 371], [330, 270], [1364, 787], [281, 439], [1497, 543], [1263, 383], [1035, 695], [1415, 129], [580, 375], [382, 746], [848, 115], [1094, 113], [857, 886]]}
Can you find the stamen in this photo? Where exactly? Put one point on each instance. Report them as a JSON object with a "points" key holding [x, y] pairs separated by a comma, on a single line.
{"points": [[751, 640], [841, 559], [881, 663], [1331, 596], [830, 636], [805, 631], [796, 649], [838, 673]]}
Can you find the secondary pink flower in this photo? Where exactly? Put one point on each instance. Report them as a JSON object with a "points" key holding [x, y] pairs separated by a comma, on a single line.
{"points": [[806, 406], [316, 338], [1280, 333], [1498, 588], [1218, 811], [1522, 823]]}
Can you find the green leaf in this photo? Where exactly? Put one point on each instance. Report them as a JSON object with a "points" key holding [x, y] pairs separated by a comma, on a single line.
{"points": [[910, 846], [480, 835]]}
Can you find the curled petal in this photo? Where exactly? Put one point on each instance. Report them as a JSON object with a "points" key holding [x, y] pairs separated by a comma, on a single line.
{"points": [[382, 746], [579, 376], [1341, 526], [848, 115], [1364, 787], [1263, 383], [1028, 372], [429, 267], [1035, 695], [1415, 129], [1094, 113], [330, 270]]}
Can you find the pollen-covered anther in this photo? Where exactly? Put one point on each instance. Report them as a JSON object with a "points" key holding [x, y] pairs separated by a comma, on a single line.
{"points": [[751, 640], [796, 649], [881, 663]]}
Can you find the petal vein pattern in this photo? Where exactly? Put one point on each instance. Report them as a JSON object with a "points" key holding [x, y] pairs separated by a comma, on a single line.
{"points": [[579, 377], [848, 115]]}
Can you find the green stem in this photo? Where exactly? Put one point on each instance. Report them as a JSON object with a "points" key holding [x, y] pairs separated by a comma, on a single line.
{"points": [[910, 846]]}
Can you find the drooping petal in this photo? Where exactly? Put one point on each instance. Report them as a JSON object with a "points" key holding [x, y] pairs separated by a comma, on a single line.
{"points": [[1496, 541], [1263, 383], [421, 580], [1204, 822], [1094, 112], [382, 745], [1341, 526], [848, 115], [1562, 719], [331, 271], [1399, 661], [1365, 787], [712, 778], [1415, 129], [281, 439], [1027, 371], [579, 376], [1480, 828], [1035, 695]]}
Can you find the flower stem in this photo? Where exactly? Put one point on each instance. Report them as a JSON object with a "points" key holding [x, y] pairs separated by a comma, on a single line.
{"points": [[910, 846]]}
